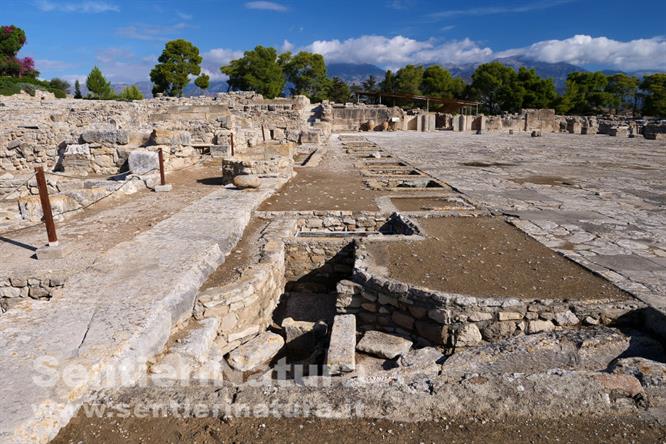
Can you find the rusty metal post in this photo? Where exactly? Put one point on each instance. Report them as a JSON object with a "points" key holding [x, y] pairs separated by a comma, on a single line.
{"points": [[46, 206], [161, 158], [232, 144], [263, 133]]}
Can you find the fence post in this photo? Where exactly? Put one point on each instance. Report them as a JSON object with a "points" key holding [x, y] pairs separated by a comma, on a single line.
{"points": [[163, 187], [232, 144], [161, 158], [46, 206]]}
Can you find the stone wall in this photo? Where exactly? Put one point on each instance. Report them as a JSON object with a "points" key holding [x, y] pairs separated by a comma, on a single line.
{"points": [[316, 265], [15, 289], [95, 136], [355, 117], [245, 307], [455, 320]]}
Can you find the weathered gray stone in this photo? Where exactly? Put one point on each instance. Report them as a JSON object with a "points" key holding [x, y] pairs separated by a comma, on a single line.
{"points": [[143, 161], [247, 181], [468, 335], [255, 352], [383, 345], [341, 355], [539, 326], [566, 318]]}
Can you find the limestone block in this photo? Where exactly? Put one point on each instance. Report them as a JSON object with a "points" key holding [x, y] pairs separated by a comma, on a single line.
{"points": [[247, 181], [255, 352], [383, 345], [468, 335], [566, 318], [539, 326], [341, 355], [142, 161]]}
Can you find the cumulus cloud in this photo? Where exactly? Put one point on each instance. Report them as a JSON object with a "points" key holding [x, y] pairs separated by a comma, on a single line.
{"points": [[587, 50], [215, 58], [87, 7], [287, 46], [582, 50], [267, 6], [399, 50]]}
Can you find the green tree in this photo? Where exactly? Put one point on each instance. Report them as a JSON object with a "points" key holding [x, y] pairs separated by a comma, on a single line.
{"points": [[654, 87], [258, 70], [203, 81], [338, 91], [130, 93], [370, 84], [179, 60], [624, 90], [12, 39], [388, 84], [77, 90], [496, 87], [307, 73], [408, 80], [60, 84], [586, 94], [439, 82], [536, 92], [98, 86]]}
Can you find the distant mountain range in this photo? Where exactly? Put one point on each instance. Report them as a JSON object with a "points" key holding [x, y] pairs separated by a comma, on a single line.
{"points": [[356, 73]]}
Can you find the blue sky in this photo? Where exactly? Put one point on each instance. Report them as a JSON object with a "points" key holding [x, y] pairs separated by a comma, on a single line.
{"points": [[124, 37]]}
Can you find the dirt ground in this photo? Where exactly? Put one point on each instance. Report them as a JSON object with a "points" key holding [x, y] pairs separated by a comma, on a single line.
{"points": [[298, 430], [240, 257], [487, 257], [321, 189]]}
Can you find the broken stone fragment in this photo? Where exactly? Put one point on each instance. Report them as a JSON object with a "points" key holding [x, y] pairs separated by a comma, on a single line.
{"points": [[383, 345], [566, 318], [256, 352], [468, 335], [247, 181]]}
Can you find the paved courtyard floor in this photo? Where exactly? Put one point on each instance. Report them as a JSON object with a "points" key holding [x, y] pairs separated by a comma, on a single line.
{"points": [[599, 200]]}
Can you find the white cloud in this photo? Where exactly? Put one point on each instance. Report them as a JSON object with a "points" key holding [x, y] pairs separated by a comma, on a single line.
{"points": [[399, 50], [55, 65], [287, 46], [215, 58], [184, 16], [493, 10], [267, 6], [151, 32], [88, 7], [391, 52], [587, 50]]}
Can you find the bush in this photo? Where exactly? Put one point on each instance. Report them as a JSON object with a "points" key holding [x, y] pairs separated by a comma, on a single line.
{"points": [[130, 93], [14, 85]]}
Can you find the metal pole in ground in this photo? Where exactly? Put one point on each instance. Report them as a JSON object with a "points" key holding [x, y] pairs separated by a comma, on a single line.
{"points": [[161, 157], [52, 250], [46, 206], [232, 144], [162, 187]]}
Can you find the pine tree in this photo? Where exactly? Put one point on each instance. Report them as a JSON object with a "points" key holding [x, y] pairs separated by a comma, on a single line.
{"points": [[98, 86], [77, 90]]}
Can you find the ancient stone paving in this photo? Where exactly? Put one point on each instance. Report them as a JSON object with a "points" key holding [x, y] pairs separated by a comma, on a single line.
{"points": [[597, 199], [122, 307]]}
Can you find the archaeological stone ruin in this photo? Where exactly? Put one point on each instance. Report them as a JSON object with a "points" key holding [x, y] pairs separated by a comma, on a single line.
{"points": [[334, 260]]}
